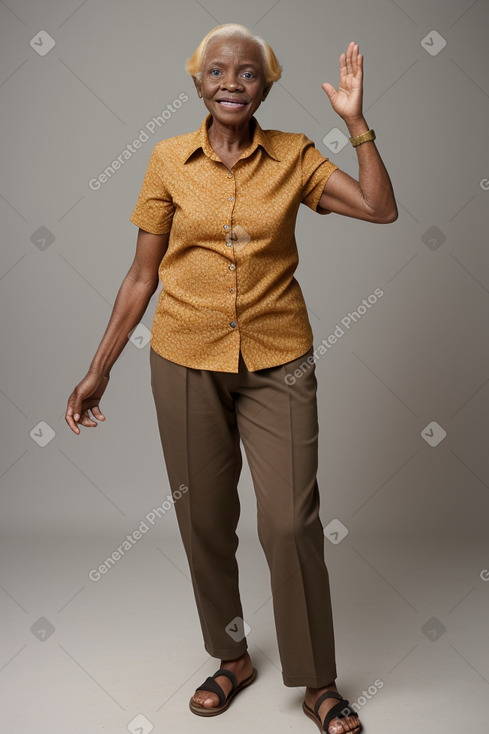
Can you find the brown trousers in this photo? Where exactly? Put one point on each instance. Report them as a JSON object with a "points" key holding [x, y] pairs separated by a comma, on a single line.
{"points": [[202, 414]]}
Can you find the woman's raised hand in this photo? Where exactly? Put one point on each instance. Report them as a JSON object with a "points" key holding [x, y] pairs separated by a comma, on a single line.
{"points": [[86, 396], [347, 99]]}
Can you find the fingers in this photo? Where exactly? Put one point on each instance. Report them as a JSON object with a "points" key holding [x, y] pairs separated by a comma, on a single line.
{"points": [[98, 413], [85, 419], [351, 57], [85, 398], [72, 413], [347, 62], [351, 67], [72, 420], [329, 89]]}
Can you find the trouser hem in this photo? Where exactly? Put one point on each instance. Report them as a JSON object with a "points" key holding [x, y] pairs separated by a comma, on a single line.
{"points": [[226, 653], [312, 681]]}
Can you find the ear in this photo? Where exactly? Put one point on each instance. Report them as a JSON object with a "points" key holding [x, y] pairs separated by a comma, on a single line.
{"points": [[197, 86]]}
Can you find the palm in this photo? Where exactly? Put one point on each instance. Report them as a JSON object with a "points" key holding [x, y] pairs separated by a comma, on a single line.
{"points": [[347, 99]]}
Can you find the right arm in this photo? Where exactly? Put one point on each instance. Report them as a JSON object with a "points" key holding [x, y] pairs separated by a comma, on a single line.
{"points": [[132, 301]]}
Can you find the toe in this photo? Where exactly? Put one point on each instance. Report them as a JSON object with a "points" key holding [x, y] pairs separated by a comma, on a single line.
{"points": [[353, 724], [207, 699], [347, 725]]}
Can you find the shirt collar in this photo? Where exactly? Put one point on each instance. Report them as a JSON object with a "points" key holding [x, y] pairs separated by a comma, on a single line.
{"points": [[200, 140]]}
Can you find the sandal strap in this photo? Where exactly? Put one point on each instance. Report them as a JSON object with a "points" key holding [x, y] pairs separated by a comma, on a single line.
{"points": [[338, 711], [323, 697], [229, 674], [210, 684]]}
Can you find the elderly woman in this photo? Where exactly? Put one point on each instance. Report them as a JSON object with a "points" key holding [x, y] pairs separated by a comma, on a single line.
{"points": [[216, 217]]}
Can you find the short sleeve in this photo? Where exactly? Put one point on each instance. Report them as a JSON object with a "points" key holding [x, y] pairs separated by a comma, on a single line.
{"points": [[316, 169], [154, 208]]}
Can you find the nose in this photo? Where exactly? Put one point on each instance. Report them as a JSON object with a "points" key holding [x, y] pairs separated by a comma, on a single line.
{"points": [[231, 83]]}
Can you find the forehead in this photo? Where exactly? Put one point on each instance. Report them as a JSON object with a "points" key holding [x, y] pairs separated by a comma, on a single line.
{"points": [[229, 49]]}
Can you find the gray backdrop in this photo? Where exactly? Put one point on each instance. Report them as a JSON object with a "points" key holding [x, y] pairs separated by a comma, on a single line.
{"points": [[403, 393]]}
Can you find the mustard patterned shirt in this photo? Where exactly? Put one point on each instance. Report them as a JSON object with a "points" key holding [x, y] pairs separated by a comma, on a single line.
{"points": [[228, 273]]}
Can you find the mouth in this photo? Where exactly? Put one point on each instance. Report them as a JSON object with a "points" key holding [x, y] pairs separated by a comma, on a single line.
{"points": [[232, 104]]}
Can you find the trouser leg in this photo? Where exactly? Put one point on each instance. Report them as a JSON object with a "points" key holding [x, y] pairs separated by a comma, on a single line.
{"points": [[279, 428], [200, 442]]}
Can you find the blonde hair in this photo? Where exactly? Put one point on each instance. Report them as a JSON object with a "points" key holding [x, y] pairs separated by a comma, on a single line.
{"points": [[272, 68]]}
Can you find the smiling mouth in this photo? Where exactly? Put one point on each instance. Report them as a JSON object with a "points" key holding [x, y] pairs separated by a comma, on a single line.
{"points": [[231, 105]]}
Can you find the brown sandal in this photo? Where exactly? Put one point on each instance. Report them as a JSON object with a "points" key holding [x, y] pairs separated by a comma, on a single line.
{"points": [[340, 710], [211, 685]]}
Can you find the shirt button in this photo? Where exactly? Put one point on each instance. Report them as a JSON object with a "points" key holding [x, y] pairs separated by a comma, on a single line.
{"points": [[232, 267], [226, 226], [231, 290], [230, 175], [232, 323], [230, 198], [229, 244]]}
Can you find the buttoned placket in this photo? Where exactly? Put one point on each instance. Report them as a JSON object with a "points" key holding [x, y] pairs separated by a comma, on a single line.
{"points": [[232, 283]]}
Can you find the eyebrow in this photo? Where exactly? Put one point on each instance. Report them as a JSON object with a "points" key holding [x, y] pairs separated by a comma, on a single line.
{"points": [[221, 62]]}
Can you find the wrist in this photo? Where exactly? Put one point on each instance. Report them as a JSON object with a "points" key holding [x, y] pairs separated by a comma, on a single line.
{"points": [[99, 369], [356, 126]]}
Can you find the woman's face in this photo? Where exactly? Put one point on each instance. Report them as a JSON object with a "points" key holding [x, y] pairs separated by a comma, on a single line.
{"points": [[233, 80]]}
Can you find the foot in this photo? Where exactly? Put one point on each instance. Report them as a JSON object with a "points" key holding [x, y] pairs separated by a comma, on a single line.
{"points": [[348, 725], [241, 667]]}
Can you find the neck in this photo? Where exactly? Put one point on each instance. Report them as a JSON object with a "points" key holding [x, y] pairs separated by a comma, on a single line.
{"points": [[230, 137]]}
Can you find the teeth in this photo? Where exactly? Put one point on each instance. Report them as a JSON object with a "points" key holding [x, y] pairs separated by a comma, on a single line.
{"points": [[232, 104]]}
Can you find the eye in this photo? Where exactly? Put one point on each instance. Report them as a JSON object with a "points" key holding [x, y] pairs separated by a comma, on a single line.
{"points": [[214, 72], [248, 75]]}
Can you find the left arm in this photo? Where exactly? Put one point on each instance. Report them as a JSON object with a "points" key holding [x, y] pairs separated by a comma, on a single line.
{"points": [[371, 197]]}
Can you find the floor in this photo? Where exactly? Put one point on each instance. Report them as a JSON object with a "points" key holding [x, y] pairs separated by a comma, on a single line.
{"points": [[121, 651]]}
